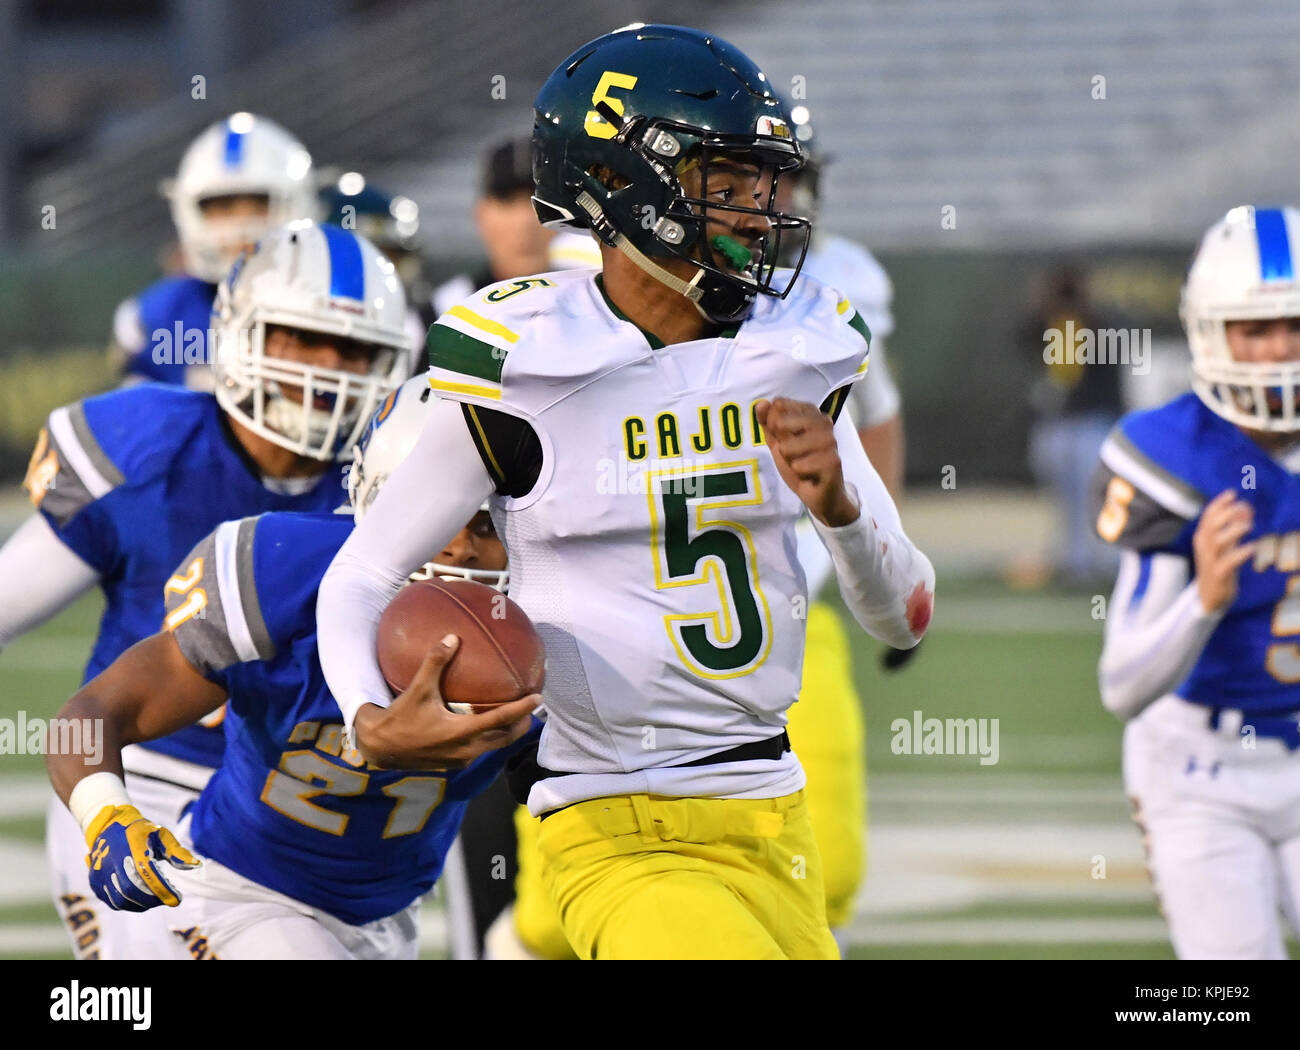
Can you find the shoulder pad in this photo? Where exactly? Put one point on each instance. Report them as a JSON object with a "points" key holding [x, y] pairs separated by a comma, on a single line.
{"points": [[1155, 451], [1140, 494], [290, 554], [89, 448], [822, 328], [857, 274], [211, 601], [469, 344], [142, 429]]}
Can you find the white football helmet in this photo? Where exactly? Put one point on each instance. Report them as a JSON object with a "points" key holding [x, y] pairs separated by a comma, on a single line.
{"points": [[241, 154], [1247, 268], [318, 279], [386, 442]]}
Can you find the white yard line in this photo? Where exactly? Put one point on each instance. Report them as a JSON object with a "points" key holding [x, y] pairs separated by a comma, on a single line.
{"points": [[866, 931], [23, 795], [34, 941], [23, 874]]}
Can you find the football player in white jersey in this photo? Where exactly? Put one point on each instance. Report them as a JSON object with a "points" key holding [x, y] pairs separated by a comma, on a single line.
{"points": [[1202, 496], [648, 437], [827, 721]]}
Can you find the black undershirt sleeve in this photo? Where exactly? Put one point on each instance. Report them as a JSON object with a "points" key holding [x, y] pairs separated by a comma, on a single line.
{"points": [[508, 446], [835, 403]]}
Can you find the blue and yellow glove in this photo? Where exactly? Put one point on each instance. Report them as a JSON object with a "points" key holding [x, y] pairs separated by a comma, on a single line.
{"points": [[124, 851]]}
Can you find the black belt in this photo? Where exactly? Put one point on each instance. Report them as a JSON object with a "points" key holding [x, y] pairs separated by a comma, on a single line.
{"points": [[523, 769]]}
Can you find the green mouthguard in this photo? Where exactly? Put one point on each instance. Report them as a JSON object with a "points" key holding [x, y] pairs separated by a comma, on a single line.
{"points": [[736, 253]]}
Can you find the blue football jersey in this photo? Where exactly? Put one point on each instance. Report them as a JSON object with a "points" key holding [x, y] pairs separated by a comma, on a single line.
{"points": [[1158, 470], [130, 481], [291, 808], [162, 332]]}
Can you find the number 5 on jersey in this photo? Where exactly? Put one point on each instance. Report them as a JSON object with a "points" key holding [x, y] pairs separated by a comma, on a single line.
{"points": [[732, 634]]}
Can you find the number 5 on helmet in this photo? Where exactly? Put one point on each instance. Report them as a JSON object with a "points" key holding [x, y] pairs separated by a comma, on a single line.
{"points": [[124, 851]]}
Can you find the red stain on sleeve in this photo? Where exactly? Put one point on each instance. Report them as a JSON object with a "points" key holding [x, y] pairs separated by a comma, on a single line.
{"points": [[920, 607]]}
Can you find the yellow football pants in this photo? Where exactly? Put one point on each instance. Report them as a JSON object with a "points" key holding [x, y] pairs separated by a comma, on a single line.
{"points": [[826, 729], [827, 733], [645, 877]]}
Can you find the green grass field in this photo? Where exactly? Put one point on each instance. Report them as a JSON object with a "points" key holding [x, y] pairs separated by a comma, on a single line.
{"points": [[966, 860]]}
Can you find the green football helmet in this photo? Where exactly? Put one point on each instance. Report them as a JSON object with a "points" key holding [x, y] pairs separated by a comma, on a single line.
{"points": [[619, 123]]}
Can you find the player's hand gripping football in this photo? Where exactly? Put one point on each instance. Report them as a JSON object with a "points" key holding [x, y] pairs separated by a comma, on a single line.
{"points": [[126, 854], [417, 731], [802, 441], [1215, 544]]}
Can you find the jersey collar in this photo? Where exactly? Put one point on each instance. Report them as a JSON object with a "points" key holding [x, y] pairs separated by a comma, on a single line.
{"points": [[655, 342]]}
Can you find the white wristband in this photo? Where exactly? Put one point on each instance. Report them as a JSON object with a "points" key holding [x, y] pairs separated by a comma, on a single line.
{"points": [[92, 794]]}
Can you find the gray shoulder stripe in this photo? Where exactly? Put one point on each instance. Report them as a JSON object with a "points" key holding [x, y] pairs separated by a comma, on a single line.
{"points": [[1130, 462], [86, 439], [204, 639], [257, 631]]}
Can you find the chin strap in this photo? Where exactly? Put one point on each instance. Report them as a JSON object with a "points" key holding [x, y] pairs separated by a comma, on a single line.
{"points": [[690, 289]]}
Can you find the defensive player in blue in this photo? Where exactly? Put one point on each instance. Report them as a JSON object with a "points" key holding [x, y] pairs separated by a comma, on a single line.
{"points": [[310, 851], [1201, 655], [310, 332], [241, 177]]}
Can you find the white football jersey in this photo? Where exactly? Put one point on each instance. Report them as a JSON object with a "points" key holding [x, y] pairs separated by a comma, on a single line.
{"points": [[656, 551], [854, 271], [574, 250]]}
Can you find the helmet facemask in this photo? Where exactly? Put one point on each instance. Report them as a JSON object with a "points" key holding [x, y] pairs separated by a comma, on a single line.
{"points": [[1255, 395], [277, 397], [640, 205], [1244, 271], [739, 255]]}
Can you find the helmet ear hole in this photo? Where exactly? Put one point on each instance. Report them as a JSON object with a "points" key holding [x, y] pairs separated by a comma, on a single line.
{"points": [[608, 177]]}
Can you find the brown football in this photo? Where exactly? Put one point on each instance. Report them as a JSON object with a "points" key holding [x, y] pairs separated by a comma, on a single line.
{"points": [[500, 658]]}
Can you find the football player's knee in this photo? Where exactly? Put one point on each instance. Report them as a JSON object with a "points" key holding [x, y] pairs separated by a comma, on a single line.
{"points": [[683, 915], [536, 922], [537, 925]]}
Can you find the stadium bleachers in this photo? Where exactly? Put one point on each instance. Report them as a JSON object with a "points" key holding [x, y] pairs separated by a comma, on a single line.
{"points": [[987, 106]]}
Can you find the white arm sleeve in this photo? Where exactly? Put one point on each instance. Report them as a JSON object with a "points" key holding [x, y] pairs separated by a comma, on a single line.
{"points": [[423, 504], [874, 398], [877, 565], [1154, 639], [39, 577]]}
